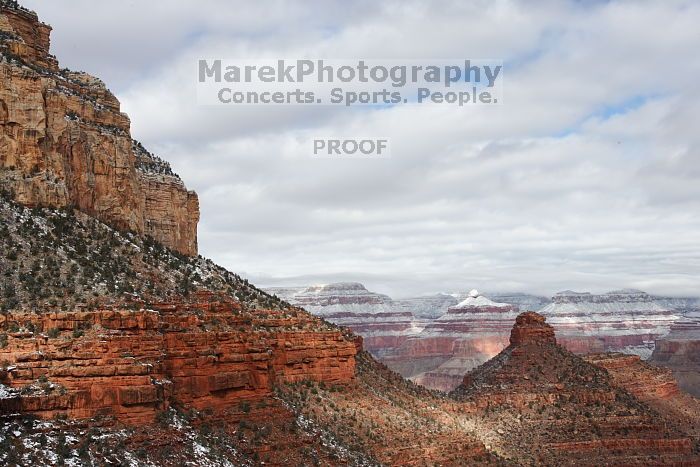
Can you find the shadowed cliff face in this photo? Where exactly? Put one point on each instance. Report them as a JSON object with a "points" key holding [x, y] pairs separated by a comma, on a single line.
{"points": [[679, 350], [656, 387], [64, 142]]}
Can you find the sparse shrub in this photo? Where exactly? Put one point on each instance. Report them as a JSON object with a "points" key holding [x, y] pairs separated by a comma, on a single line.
{"points": [[62, 449], [163, 418]]}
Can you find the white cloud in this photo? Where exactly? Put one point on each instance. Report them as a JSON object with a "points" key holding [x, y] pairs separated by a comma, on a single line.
{"points": [[586, 177]]}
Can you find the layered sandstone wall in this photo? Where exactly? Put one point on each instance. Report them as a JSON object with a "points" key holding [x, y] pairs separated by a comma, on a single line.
{"points": [[679, 350], [132, 364], [64, 142], [642, 380], [619, 321], [34, 46]]}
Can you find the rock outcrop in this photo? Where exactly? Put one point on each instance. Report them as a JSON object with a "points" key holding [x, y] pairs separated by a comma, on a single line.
{"points": [[656, 387], [551, 407], [64, 142], [530, 329], [207, 354], [647, 382], [621, 321]]}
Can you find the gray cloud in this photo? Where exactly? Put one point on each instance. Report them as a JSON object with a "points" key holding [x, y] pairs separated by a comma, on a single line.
{"points": [[585, 178]]}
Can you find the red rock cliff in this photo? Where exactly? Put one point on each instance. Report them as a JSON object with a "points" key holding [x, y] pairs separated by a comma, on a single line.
{"points": [[131, 364], [64, 142]]}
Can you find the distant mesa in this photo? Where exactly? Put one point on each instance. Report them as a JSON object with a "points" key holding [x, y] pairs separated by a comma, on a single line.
{"points": [[383, 323], [625, 320], [339, 293]]}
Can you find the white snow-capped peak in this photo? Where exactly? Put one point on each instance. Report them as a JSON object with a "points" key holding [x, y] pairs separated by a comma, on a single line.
{"points": [[476, 300]]}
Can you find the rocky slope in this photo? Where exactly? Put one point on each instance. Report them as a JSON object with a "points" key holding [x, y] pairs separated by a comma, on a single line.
{"points": [[64, 142], [130, 364], [553, 407], [679, 350], [534, 404], [206, 359], [114, 333], [62, 260], [399, 422], [656, 387], [625, 321]]}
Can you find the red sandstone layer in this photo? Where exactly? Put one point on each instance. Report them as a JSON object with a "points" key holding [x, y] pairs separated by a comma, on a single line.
{"points": [[131, 364], [64, 142]]}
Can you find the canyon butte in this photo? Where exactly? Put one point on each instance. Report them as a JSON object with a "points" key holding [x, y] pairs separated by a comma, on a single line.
{"points": [[435, 339], [120, 345]]}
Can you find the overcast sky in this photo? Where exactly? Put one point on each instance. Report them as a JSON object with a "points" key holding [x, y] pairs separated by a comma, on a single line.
{"points": [[586, 177]]}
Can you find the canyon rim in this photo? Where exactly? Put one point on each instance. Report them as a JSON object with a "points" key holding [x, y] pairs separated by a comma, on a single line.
{"points": [[121, 344]]}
